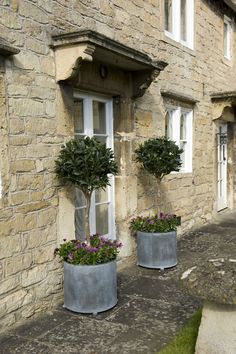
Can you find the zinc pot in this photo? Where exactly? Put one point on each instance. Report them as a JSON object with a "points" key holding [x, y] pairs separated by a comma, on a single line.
{"points": [[90, 288], [157, 250]]}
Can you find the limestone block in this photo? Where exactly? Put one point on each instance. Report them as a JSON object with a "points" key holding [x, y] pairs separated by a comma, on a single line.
{"points": [[66, 224], [42, 93], [40, 126], [30, 182], [144, 123], [47, 217], [27, 61], [36, 46], [17, 89], [44, 254], [23, 165], [126, 200], [10, 20], [33, 11], [25, 222], [24, 107], [13, 301], [12, 245], [34, 275], [27, 208], [6, 213], [16, 126], [31, 239], [9, 284], [19, 140], [48, 66], [50, 108], [36, 195], [7, 321], [6, 229], [19, 263]]}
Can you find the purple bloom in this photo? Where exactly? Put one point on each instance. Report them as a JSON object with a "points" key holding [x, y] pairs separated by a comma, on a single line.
{"points": [[70, 256]]}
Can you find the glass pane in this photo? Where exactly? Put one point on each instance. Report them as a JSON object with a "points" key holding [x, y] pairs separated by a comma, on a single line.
{"points": [[168, 126], [99, 117], [168, 15], [102, 139], [78, 116], [183, 28], [101, 196], [183, 146], [183, 127], [226, 39], [80, 224], [102, 219], [79, 199]]}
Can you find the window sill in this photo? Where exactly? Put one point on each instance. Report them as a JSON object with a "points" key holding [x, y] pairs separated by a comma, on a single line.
{"points": [[227, 61], [166, 39]]}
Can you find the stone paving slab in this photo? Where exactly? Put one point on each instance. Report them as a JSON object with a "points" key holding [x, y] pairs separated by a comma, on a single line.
{"points": [[152, 307]]}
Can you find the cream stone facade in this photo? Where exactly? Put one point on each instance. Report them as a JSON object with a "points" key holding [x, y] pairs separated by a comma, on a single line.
{"points": [[52, 50]]}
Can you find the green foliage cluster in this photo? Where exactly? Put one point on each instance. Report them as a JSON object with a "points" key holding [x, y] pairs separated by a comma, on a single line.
{"points": [[86, 163], [159, 156], [157, 223], [100, 250]]}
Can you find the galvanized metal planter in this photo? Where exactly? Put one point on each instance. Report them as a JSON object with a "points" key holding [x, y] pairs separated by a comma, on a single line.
{"points": [[157, 250], [90, 288]]}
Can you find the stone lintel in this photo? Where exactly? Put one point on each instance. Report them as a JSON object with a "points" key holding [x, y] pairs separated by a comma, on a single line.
{"points": [[178, 96], [71, 49], [6, 49], [224, 104]]}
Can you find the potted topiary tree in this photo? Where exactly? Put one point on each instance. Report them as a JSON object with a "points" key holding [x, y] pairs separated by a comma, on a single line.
{"points": [[90, 282], [156, 235]]}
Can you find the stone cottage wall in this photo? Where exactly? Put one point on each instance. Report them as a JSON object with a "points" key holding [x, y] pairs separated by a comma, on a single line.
{"points": [[36, 119]]}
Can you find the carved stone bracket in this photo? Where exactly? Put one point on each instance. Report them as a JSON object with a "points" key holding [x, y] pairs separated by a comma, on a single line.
{"points": [[224, 106], [6, 49], [72, 49]]}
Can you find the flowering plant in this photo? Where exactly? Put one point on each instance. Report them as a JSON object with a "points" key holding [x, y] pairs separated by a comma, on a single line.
{"points": [[100, 250], [163, 223]]}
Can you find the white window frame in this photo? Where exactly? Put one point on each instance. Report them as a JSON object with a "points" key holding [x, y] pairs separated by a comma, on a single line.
{"points": [[176, 23], [88, 131], [228, 39], [175, 114]]}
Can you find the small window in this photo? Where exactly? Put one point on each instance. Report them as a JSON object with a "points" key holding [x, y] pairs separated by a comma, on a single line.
{"points": [[227, 37], [179, 21], [178, 127]]}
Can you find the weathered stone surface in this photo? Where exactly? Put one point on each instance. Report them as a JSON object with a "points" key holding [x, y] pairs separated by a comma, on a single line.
{"points": [[217, 330], [36, 116]]}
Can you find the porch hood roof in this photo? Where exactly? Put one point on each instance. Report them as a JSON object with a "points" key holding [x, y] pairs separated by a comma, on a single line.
{"points": [[223, 105], [71, 49], [231, 4]]}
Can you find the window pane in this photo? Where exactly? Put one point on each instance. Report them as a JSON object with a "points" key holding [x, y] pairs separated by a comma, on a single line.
{"points": [[102, 219], [79, 199], [183, 127], [101, 196], [226, 39], [99, 117], [183, 145], [78, 117], [168, 125], [183, 18], [80, 224], [168, 15]]}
